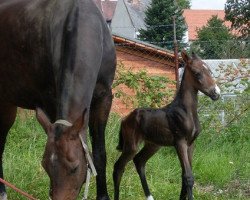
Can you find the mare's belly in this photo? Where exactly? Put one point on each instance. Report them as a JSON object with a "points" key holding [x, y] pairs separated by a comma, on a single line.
{"points": [[27, 96]]}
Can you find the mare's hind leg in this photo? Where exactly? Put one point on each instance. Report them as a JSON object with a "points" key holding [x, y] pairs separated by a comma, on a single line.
{"points": [[99, 112], [187, 176], [128, 154], [7, 118], [190, 153], [140, 161]]}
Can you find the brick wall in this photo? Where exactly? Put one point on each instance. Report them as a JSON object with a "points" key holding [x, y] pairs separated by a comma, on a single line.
{"points": [[135, 61]]}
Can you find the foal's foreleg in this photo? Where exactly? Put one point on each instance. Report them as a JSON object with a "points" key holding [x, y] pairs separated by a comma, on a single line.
{"points": [[187, 176], [140, 161], [119, 167]]}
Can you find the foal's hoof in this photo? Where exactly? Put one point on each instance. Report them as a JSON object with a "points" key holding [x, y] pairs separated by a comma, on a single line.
{"points": [[103, 198], [3, 196], [150, 197]]}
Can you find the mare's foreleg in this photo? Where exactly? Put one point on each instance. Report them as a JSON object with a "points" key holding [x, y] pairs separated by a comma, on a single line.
{"points": [[140, 161], [99, 112], [187, 176], [7, 118], [128, 154]]}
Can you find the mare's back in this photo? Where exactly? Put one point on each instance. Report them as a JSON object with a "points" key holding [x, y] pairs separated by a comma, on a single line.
{"points": [[35, 37], [25, 66]]}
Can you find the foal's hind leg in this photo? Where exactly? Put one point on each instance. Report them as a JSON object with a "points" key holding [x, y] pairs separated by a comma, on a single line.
{"points": [[7, 118], [140, 161], [128, 154], [187, 176], [99, 112]]}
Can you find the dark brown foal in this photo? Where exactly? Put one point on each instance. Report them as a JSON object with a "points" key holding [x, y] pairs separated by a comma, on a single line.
{"points": [[176, 124]]}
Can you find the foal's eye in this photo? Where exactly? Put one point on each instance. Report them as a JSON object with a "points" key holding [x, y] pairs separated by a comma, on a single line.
{"points": [[198, 75]]}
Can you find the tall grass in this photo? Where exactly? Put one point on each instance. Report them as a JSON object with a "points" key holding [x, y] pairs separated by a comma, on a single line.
{"points": [[221, 164]]}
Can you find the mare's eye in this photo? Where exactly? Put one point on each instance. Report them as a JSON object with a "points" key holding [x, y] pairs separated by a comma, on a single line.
{"points": [[73, 170]]}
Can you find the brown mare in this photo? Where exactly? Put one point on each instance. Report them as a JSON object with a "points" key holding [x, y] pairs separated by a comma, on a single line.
{"points": [[176, 124], [57, 57]]}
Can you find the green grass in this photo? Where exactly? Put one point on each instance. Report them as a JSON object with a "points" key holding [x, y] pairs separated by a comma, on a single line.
{"points": [[221, 164]]}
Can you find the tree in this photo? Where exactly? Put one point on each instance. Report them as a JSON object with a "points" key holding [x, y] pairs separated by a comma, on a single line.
{"points": [[184, 4], [238, 12], [159, 23], [216, 42]]}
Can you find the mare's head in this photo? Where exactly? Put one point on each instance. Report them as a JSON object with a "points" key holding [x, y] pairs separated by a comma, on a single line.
{"points": [[64, 157], [200, 76]]}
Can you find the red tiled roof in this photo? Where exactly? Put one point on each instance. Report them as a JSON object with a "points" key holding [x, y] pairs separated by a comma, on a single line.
{"points": [[198, 18]]}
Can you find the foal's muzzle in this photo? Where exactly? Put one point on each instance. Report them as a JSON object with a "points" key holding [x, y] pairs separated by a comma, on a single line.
{"points": [[215, 93]]}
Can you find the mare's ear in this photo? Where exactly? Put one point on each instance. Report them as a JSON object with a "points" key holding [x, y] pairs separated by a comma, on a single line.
{"points": [[43, 119], [185, 56], [80, 122]]}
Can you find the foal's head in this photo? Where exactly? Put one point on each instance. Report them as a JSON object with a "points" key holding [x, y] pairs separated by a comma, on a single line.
{"points": [[200, 76], [64, 157]]}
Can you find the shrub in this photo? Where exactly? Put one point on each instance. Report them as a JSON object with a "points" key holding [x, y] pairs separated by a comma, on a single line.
{"points": [[150, 91]]}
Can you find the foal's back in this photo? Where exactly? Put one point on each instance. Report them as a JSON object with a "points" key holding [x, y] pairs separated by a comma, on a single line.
{"points": [[160, 125], [153, 125]]}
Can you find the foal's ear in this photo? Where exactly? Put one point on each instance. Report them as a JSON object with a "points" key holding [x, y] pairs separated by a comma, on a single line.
{"points": [[43, 119], [185, 56], [194, 56]]}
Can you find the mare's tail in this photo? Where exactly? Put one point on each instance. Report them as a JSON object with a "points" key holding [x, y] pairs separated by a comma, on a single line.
{"points": [[120, 143]]}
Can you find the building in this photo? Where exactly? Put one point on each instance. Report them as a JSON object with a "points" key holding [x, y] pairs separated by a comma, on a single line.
{"points": [[196, 19], [128, 17], [136, 55]]}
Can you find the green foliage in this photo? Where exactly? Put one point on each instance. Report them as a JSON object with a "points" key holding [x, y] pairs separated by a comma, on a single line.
{"points": [[233, 79], [216, 42], [238, 12], [22, 158], [184, 4], [220, 165], [150, 91], [222, 113], [159, 20]]}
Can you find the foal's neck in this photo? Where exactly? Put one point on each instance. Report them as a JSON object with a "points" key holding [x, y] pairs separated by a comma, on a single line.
{"points": [[187, 94]]}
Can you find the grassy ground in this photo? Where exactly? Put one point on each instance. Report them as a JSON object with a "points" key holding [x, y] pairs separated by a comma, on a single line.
{"points": [[221, 164]]}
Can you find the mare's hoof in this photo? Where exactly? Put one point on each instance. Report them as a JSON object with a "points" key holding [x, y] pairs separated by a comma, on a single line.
{"points": [[3, 196]]}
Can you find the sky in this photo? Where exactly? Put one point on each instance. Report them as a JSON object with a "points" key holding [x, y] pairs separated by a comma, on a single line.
{"points": [[208, 4]]}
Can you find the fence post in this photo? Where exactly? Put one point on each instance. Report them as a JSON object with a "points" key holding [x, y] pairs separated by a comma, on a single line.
{"points": [[176, 57]]}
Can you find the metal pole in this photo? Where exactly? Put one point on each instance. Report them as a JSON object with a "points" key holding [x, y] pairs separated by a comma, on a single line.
{"points": [[176, 58]]}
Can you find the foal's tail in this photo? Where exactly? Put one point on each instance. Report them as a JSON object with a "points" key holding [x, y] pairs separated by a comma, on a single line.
{"points": [[128, 125], [120, 143]]}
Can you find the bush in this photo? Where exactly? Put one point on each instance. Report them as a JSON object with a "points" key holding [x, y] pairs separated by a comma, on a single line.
{"points": [[150, 91]]}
